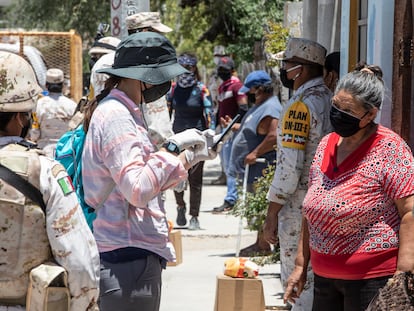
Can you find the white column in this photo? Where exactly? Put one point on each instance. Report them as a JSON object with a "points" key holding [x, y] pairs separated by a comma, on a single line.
{"points": [[120, 9], [327, 23], [380, 48], [310, 19]]}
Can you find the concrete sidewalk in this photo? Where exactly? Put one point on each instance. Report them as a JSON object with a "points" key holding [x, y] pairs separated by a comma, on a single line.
{"points": [[191, 286]]}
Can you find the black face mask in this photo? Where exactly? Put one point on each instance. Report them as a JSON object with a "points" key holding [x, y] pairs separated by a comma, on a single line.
{"points": [[251, 98], [224, 75], [284, 79], [92, 62], [156, 92], [26, 128], [344, 124]]}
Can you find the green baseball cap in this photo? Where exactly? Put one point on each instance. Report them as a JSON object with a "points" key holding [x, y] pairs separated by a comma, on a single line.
{"points": [[146, 56]]}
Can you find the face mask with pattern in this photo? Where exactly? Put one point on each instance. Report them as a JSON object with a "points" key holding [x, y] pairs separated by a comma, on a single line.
{"points": [[186, 80]]}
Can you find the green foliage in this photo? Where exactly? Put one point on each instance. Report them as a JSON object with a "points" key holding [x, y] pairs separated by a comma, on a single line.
{"points": [[198, 25], [275, 40], [245, 22], [254, 207], [270, 259], [188, 25], [50, 15], [236, 24]]}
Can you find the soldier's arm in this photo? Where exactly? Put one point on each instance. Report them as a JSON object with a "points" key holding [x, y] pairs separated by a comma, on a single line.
{"points": [[72, 243]]}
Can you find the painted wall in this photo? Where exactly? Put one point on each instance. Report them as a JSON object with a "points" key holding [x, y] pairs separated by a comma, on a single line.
{"points": [[379, 48], [321, 22], [379, 45]]}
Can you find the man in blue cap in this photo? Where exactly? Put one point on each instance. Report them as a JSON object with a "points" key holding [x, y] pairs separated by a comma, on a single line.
{"points": [[256, 138]]}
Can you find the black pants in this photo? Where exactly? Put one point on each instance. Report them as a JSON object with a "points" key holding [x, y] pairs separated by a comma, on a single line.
{"points": [[195, 181], [130, 286], [345, 295]]}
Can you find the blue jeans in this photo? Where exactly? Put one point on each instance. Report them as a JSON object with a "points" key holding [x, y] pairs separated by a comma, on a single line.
{"points": [[231, 196]]}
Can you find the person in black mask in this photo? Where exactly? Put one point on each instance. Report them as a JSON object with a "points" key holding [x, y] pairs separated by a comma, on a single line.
{"points": [[331, 70], [131, 227], [304, 121], [191, 103], [39, 210], [230, 103], [357, 213]]}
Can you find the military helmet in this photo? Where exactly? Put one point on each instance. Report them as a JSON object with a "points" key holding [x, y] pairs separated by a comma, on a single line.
{"points": [[19, 88]]}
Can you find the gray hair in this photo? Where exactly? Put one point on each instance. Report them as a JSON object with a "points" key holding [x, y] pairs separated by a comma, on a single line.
{"points": [[364, 87]]}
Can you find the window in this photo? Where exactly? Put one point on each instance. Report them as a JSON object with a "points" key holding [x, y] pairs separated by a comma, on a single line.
{"points": [[362, 29]]}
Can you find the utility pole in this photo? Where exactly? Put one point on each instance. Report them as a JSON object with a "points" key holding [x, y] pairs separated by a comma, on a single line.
{"points": [[120, 9]]}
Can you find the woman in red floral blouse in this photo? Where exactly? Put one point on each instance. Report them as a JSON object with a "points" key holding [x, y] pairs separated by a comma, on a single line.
{"points": [[357, 214]]}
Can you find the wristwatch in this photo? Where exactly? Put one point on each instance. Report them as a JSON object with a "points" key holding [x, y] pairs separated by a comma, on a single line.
{"points": [[171, 147]]}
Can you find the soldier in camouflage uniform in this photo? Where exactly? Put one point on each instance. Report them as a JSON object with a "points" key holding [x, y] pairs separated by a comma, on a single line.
{"points": [[305, 120], [30, 235], [53, 113]]}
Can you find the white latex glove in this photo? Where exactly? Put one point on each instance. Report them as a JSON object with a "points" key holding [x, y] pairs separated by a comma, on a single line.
{"points": [[204, 151], [188, 138]]}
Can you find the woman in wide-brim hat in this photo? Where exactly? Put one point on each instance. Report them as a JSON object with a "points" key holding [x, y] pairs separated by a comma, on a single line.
{"points": [[131, 228]]}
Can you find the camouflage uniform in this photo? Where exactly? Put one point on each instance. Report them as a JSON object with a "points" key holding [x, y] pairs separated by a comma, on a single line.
{"points": [[30, 238], [53, 113], [305, 121], [29, 235]]}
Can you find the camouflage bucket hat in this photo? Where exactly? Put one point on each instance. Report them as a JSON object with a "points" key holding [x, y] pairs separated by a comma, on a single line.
{"points": [[19, 88], [145, 56], [303, 51], [146, 20], [54, 75]]}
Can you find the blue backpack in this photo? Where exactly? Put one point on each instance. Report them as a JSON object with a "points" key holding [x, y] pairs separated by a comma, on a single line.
{"points": [[69, 153]]}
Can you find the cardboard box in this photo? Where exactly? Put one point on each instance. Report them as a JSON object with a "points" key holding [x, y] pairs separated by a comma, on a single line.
{"points": [[175, 238], [236, 294]]}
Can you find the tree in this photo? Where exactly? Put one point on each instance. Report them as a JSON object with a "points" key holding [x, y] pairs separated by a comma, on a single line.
{"points": [[81, 15], [198, 25], [236, 24]]}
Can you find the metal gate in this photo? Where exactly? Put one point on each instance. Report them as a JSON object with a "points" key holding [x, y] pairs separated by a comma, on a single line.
{"points": [[46, 50]]}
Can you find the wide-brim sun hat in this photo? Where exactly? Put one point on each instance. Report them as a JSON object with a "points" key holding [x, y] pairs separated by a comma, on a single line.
{"points": [[145, 56], [255, 78]]}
